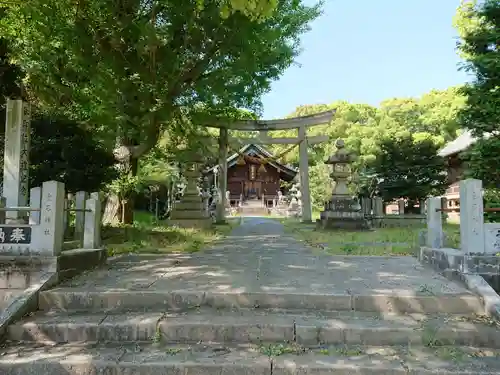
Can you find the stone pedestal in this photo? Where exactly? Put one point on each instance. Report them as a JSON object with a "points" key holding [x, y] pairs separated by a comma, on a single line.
{"points": [[190, 212], [342, 211]]}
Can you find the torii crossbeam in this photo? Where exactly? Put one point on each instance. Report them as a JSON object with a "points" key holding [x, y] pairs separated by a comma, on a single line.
{"points": [[300, 123]]}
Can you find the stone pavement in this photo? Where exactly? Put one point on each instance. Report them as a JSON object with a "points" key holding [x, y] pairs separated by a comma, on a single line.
{"points": [[258, 257], [258, 302]]}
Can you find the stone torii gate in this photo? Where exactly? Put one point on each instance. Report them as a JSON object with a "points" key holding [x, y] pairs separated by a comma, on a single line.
{"points": [[263, 126]]}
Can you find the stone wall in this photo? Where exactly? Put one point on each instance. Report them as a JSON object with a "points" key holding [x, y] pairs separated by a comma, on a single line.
{"points": [[479, 251], [398, 221], [454, 263]]}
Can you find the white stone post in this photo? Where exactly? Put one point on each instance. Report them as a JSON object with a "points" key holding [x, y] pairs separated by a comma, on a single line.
{"points": [[80, 198], [50, 239], [434, 223], [304, 176], [401, 207], [16, 156], [35, 204], [92, 230], [471, 216]]}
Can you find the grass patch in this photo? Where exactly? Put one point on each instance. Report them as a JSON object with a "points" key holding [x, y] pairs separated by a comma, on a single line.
{"points": [[149, 236], [383, 241]]}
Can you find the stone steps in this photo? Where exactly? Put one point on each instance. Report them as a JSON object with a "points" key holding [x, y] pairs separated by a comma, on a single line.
{"points": [[257, 326], [217, 359], [71, 299]]}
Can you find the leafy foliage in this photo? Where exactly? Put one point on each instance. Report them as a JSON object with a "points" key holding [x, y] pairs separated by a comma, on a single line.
{"points": [[478, 24], [10, 74], [130, 66], [62, 150], [409, 168], [491, 200], [431, 117]]}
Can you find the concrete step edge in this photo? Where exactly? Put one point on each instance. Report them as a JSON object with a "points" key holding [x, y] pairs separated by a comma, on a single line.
{"points": [[151, 359], [310, 330], [74, 299]]}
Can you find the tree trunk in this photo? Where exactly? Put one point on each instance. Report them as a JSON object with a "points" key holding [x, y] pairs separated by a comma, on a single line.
{"points": [[111, 210]]}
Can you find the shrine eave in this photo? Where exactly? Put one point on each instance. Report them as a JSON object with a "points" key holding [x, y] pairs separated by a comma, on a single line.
{"points": [[279, 124], [288, 171]]}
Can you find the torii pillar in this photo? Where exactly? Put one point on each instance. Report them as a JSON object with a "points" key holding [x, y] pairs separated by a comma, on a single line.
{"points": [[305, 192], [222, 181], [263, 126]]}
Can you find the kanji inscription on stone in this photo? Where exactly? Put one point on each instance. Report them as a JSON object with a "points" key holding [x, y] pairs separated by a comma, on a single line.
{"points": [[15, 235]]}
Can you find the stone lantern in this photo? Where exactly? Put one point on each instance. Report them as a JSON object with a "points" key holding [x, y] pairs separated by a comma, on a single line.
{"points": [[341, 168], [191, 210], [342, 211]]}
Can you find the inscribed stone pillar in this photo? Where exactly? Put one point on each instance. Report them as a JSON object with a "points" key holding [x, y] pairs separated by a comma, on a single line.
{"points": [[304, 176], [50, 239], [16, 156], [471, 216], [221, 204]]}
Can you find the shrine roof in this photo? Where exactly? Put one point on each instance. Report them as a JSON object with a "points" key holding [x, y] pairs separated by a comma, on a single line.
{"points": [[260, 151], [459, 144]]}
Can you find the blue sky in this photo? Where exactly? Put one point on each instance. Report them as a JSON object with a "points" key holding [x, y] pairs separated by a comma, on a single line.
{"points": [[365, 51]]}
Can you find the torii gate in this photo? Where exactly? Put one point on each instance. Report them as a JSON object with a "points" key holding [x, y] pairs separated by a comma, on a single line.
{"points": [[300, 123]]}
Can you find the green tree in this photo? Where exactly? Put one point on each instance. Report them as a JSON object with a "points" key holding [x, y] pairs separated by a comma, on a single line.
{"points": [[62, 150], [10, 74], [408, 168], [478, 24], [131, 69], [136, 63]]}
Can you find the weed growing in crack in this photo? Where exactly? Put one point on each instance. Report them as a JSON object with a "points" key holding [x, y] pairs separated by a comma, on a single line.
{"points": [[429, 338], [426, 289], [275, 350], [347, 351], [450, 353], [173, 351], [157, 336]]}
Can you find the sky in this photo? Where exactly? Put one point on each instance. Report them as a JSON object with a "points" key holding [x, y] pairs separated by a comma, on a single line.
{"points": [[366, 51]]}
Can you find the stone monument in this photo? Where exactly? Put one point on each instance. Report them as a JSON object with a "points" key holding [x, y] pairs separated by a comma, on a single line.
{"points": [[190, 212], [16, 158], [342, 211]]}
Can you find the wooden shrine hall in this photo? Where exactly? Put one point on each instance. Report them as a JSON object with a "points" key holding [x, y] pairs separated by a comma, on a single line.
{"points": [[253, 173], [256, 186]]}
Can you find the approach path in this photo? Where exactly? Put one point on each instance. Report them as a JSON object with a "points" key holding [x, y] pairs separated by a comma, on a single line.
{"points": [[257, 303], [259, 257]]}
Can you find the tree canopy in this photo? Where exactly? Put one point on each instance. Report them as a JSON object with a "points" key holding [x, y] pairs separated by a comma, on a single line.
{"points": [[433, 117], [408, 168], [478, 24], [62, 150], [127, 67]]}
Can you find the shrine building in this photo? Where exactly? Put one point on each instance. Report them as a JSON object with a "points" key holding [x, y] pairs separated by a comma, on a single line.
{"points": [[253, 173]]}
